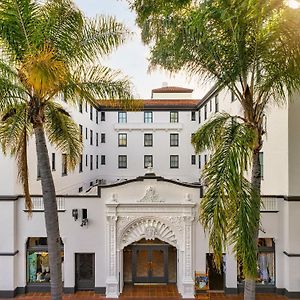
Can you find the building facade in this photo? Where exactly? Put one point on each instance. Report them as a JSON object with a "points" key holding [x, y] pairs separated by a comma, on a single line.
{"points": [[128, 212]]}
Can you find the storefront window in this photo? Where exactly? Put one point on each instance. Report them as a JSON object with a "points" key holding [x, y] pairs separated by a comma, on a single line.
{"points": [[265, 263], [38, 270]]}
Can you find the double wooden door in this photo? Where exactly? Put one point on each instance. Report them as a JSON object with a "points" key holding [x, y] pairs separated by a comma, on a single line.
{"points": [[150, 264]]}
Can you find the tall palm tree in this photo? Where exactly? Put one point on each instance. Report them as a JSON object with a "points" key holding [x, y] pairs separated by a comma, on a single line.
{"points": [[49, 49], [252, 48]]}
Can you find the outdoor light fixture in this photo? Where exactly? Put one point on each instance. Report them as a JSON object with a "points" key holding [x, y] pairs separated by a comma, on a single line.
{"points": [[75, 214], [84, 219]]}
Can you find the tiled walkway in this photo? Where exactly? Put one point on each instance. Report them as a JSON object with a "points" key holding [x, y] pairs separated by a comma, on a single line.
{"points": [[156, 292]]}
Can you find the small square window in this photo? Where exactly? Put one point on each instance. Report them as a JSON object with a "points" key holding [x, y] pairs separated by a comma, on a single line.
{"points": [[174, 139], [174, 161], [174, 116], [122, 117], [148, 117], [102, 138], [193, 115], [148, 139], [122, 161], [122, 139], [193, 159], [103, 160], [148, 161]]}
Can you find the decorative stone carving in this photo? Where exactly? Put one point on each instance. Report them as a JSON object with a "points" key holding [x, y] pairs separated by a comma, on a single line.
{"points": [[150, 233], [151, 196]]}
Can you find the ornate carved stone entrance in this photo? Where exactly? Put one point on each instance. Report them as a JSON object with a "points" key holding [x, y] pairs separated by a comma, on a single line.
{"points": [[150, 216]]}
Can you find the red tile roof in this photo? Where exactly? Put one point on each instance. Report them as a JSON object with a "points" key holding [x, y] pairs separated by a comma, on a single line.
{"points": [[170, 103], [172, 89]]}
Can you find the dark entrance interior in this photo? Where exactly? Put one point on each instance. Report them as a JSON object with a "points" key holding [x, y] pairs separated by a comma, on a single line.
{"points": [[147, 262], [216, 278], [85, 271]]}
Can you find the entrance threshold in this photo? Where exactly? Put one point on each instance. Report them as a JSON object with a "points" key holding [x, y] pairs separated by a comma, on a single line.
{"points": [[149, 283]]}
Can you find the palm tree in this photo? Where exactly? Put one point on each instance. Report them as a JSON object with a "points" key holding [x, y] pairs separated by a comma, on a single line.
{"points": [[251, 48], [49, 50]]}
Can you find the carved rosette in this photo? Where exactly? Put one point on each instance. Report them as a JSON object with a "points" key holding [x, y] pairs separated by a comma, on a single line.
{"points": [[151, 196]]}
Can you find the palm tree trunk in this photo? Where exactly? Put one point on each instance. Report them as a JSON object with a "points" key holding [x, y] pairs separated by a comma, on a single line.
{"points": [[249, 289], [51, 216]]}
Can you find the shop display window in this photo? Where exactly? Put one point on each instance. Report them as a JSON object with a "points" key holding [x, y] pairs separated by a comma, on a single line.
{"points": [[265, 263], [38, 270]]}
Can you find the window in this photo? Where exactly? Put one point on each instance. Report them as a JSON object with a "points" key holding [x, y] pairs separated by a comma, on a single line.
{"points": [[148, 161], [233, 98], [102, 159], [102, 138], [265, 263], [91, 162], [174, 161], [193, 116], [97, 139], [81, 164], [148, 117], [122, 117], [102, 116], [86, 160], [91, 137], [261, 162], [148, 139], [199, 116], [91, 112], [174, 116], [193, 159], [97, 161], [205, 111], [80, 107], [97, 117], [200, 164], [80, 130], [38, 271], [174, 139], [122, 161], [210, 105], [205, 159], [122, 139], [86, 106], [86, 133], [64, 164], [217, 103], [53, 162]]}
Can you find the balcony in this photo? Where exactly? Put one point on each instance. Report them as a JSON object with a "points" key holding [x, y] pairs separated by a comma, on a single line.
{"points": [[38, 203], [269, 204]]}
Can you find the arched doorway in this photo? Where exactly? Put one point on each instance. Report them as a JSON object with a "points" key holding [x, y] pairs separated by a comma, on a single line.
{"points": [[149, 262]]}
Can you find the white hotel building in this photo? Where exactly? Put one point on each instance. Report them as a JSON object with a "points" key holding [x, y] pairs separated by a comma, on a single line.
{"points": [[122, 222]]}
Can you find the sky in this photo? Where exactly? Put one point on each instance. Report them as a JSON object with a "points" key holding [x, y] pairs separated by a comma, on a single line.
{"points": [[131, 58]]}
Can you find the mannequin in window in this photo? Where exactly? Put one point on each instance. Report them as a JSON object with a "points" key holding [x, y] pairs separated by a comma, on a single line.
{"points": [[263, 267]]}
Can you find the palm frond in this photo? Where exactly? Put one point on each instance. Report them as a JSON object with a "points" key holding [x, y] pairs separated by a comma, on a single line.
{"points": [[63, 132]]}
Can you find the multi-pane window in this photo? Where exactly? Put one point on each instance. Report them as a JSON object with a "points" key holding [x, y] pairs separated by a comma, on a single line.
{"points": [[193, 116], [102, 116], [122, 139], [64, 164], [174, 116], [174, 161], [193, 159], [102, 138], [148, 117], [53, 162], [261, 163], [216, 103], [148, 161], [122, 117], [205, 111], [97, 139], [91, 137], [148, 139], [91, 162], [91, 112], [174, 139], [122, 161], [103, 160], [81, 164], [97, 161]]}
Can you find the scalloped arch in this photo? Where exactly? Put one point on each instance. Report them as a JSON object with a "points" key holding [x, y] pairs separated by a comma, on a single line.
{"points": [[148, 228]]}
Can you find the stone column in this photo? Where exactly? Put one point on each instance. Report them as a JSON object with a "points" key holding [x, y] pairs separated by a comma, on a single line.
{"points": [[112, 283], [188, 272]]}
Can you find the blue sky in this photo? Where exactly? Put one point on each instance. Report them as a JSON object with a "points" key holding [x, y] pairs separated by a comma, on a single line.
{"points": [[131, 58]]}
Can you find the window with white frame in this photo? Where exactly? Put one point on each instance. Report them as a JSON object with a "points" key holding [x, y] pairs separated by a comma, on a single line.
{"points": [[122, 139], [148, 139], [122, 161], [174, 139], [174, 116], [122, 117], [148, 161], [174, 161], [148, 117]]}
